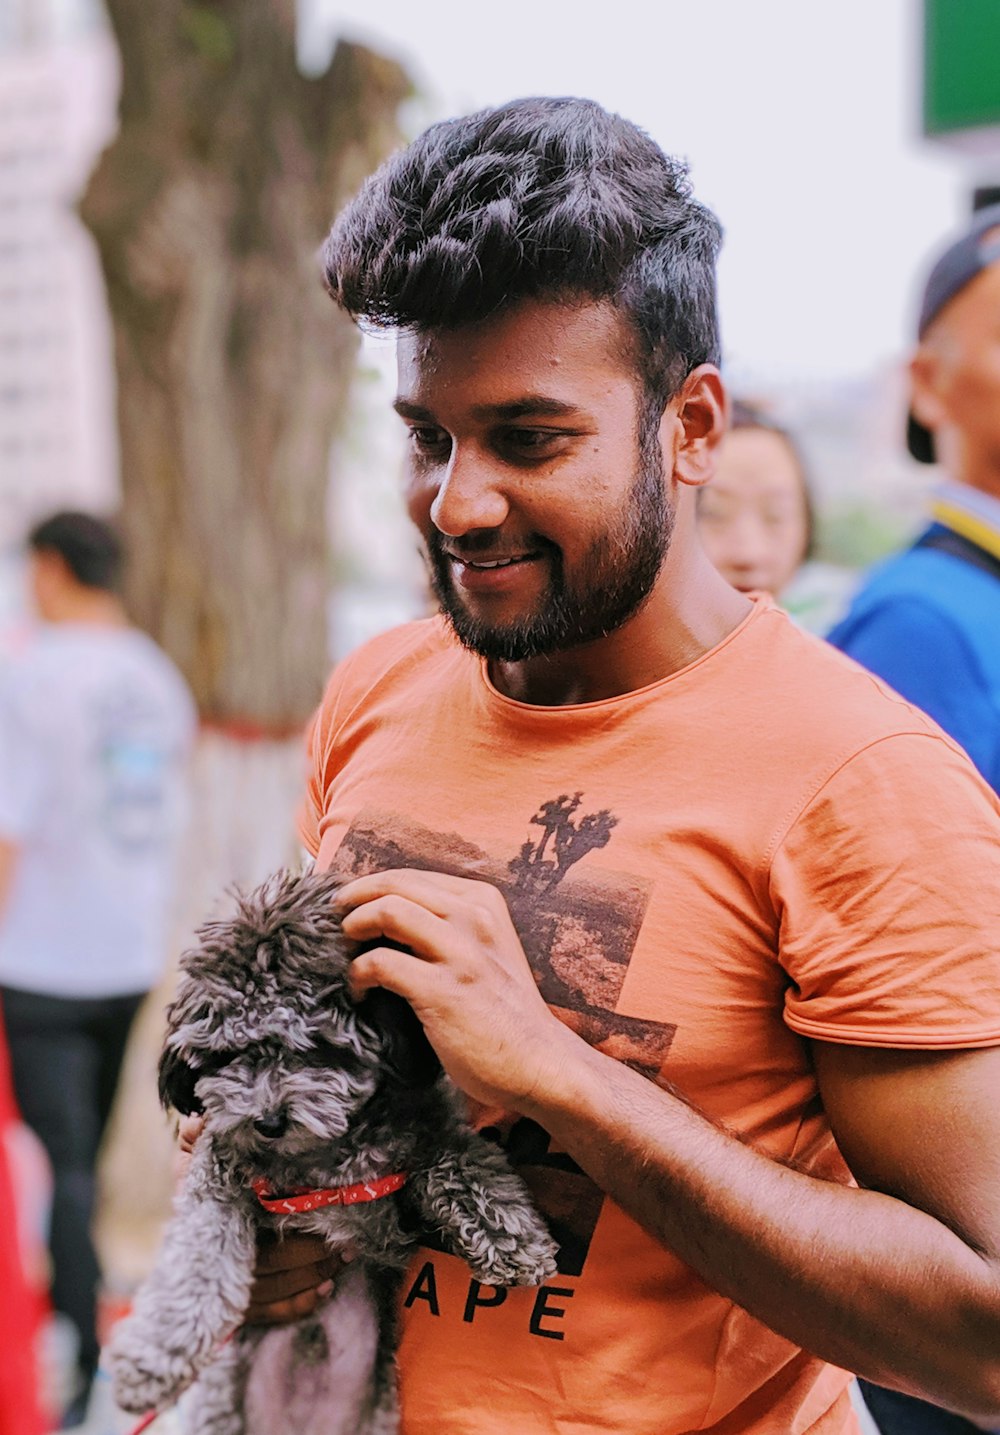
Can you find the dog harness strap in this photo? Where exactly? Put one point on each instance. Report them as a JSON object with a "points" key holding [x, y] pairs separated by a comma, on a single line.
{"points": [[305, 1198]]}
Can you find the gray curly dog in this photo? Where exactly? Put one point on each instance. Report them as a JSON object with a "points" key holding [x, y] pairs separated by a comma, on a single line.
{"points": [[321, 1115]]}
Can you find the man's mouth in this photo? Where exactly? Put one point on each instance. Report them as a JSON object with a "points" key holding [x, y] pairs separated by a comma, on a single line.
{"points": [[492, 562], [490, 573]]}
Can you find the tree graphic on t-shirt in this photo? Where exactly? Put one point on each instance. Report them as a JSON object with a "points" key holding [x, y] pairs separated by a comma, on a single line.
{"points": [[578, 929], [536, 874]]}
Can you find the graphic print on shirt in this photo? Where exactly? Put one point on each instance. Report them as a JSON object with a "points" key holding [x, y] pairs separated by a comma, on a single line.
{"points": [[578, 929], [131, 759]]}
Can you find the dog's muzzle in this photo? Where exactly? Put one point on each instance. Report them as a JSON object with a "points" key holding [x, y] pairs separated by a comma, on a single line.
{"points": [[272, 1124]]}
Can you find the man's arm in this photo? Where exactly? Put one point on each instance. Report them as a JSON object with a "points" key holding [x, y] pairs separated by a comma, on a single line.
{"points": [[899, 1283], [903, 1288]]}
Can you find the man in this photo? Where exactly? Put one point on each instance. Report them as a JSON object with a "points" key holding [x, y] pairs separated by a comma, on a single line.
{"points": [[95, 728], [694, 911], [928, 621]]}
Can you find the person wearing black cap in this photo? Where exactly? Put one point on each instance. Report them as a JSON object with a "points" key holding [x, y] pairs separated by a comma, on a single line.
{"points": [[928, 621]]}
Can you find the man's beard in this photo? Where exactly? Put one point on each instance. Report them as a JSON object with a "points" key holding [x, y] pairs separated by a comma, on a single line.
{"points": [[616, 575]]}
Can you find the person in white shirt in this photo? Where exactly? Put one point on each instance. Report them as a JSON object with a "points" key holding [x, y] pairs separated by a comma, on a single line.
{"points": [[96, 726]]}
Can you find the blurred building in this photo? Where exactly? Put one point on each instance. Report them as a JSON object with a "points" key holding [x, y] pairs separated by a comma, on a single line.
{"points": [[58, 92], [58, 96]]}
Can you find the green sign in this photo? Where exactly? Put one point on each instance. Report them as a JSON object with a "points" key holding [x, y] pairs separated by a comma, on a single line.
{"points": [[961, 66]]}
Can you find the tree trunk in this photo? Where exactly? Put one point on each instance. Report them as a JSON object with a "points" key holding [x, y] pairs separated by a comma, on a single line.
{"points": [[233, 365], [233, 368]]}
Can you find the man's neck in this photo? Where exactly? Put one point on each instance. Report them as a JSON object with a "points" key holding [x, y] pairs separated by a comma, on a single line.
{"points": [[92, 608], [986, 482], [975, 466], [690, 611]]}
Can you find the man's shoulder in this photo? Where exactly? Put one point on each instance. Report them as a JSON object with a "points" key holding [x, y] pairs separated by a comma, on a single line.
{"points": [[818, 703], [930, 578], [407, 653], [924, 603], [60, 665]]}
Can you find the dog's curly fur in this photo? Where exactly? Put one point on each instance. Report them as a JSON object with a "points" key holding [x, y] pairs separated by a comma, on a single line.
{"points": [[264, 1030]]}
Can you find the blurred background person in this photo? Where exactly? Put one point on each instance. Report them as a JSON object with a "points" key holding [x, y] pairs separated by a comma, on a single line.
{"points": [[757, 520], [756, 516], [928, 621], [95, 730]]}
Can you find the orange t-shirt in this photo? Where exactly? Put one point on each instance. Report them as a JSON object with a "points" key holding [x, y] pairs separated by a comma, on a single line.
{"points": [[766, 846]]}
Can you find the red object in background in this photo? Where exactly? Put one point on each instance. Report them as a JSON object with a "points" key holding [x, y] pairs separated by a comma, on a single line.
{"points": [[22, 1307]]}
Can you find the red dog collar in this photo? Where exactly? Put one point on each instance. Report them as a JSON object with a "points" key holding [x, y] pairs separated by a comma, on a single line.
{"points": [[305, 1198]]}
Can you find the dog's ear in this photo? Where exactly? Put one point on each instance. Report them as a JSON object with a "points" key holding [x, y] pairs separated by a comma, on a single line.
{"points": [[407, 1053], [176, 1084]]}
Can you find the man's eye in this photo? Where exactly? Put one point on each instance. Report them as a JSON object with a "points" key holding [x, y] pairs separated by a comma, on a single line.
{"points": [[533, 441], [428, 439]]}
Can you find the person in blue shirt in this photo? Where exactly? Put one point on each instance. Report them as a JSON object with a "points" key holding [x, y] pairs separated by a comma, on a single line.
{"points": [[928, 621]]}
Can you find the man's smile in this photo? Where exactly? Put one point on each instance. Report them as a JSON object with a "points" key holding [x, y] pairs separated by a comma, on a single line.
{"points": [[490, 573], [491, 563], [496, 560]]}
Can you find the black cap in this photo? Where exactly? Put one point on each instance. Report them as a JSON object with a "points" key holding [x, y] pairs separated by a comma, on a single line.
{"points": [[972, 252]]}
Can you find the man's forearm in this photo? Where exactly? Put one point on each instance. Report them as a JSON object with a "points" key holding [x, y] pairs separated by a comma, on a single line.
{"points": [[859, 1278]]}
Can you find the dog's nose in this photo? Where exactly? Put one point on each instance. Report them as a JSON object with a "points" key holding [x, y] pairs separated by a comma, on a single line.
{"points": [[271, 1124]]}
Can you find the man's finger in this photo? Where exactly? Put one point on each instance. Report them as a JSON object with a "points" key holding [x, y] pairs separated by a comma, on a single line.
{"points": [[434, 891], [285, 1311], [399, 919], [284, 1285], [398, 972], [189, 1128]]}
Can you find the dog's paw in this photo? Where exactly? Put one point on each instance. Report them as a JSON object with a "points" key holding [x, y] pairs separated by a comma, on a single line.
{"points": [[143, 1375], [523, 1254]]}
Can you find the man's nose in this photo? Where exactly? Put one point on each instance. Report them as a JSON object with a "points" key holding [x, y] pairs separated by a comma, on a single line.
{"points": [[470, 496]]}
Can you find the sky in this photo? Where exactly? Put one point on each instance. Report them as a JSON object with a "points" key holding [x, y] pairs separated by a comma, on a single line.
{"points": [[800, 121]]}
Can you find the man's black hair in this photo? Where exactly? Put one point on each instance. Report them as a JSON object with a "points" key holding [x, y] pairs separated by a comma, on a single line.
{"points": [[90, 547], [541, 198]]}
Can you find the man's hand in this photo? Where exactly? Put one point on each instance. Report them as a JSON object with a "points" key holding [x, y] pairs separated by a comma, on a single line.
{"points": [[465, 974], [293, 1275]]}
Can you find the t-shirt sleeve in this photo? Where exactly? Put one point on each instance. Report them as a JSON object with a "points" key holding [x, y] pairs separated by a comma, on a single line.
{"points": [[925, 657], [887, 890], [319, 741], [311, 808], [23, 782]]}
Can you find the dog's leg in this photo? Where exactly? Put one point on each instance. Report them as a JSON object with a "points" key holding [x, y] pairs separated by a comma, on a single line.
{"points": [[194, 1298], [485, 1214], [217, 1400], [330, 1373]]}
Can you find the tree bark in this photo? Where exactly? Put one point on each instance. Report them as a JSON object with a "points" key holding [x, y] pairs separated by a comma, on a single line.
{"points": [[233, 365], [233, 368]]}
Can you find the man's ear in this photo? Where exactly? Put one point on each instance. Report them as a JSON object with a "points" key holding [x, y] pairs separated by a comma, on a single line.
{"points": [[695, 421], [925, 384], [176, 1084]]}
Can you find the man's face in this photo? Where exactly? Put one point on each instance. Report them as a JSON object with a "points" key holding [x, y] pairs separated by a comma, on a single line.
{"points": [[957, 372], [540, 495]]}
